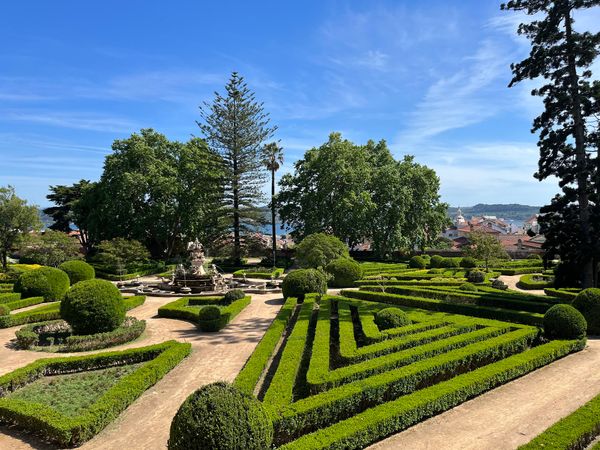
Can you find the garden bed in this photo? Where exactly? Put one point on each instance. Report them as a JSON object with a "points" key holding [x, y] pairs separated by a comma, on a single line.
{"points": [[57, 336]]}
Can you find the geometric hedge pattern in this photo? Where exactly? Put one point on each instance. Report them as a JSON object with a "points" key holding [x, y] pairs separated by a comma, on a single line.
{"points": [[331, 379]]}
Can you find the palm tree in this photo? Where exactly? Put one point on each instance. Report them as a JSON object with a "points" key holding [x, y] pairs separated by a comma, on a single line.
{"points": [[272, 159]]}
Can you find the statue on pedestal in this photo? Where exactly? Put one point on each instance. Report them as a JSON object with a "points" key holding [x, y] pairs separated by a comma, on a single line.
{"points": [[197, 257]]}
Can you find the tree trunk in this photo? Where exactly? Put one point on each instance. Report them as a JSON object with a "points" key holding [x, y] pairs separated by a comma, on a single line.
{"points": [[273, 224], [4, 261], [587, 275], [237, 251]]}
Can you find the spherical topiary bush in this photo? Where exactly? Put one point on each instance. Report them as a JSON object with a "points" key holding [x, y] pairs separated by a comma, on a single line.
{"points": [[209, 318], [468, 287], [587, 303], [303, 281], [476, 276], [391, 318], [93, 306], [33, 284], [564, 322], [436, 261], [450, 263], [59, 282], [232, 296], [417, 262], [468, 263], [344, 272], [77, 271], [499, 284], [220, 417]]}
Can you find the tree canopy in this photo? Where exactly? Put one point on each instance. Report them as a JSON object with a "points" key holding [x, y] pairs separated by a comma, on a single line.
{"points": [[361, 193], [568, 126], [16, 219], [236, 126]]}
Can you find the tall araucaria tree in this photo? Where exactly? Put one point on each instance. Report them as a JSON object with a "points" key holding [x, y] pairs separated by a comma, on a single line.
{"points": [[273, 159], [236, 126], [562, 57]]}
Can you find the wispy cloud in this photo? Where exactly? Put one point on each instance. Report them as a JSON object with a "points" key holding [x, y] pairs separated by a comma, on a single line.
{"points": [[76, 120]]}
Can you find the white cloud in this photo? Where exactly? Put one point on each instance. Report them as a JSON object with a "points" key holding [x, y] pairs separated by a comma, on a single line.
{"points": [[76, 120]]}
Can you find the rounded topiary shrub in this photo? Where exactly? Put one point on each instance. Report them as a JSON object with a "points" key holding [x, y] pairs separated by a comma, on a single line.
{"points": [[564, 322], [468, 263], [417, 262], [33, 284], [476, 276], [450, 263], [534, 256], [587, 303], [469, 287], [78, 271], [344, 272], [221, 417], [209, 318], [232, 296], [499, 284], [304, 281], [47, 282], [391, 318], [436, 261], [59, 282], [93, 306]]}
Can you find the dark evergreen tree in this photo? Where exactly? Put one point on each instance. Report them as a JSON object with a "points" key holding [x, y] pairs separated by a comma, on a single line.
{"points": [[65, 213], [562, 57], [236, 126]]}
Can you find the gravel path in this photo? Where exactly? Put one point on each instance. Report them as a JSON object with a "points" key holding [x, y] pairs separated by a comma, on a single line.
{"points": [[512, 280], [512, 414], [145, 424]]}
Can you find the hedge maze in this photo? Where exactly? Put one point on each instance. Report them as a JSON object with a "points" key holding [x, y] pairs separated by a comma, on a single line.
{"points": [[330, 378]]}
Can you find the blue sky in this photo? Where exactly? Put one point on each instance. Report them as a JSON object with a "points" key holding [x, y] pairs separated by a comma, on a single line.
{"points": [[429, 77]]}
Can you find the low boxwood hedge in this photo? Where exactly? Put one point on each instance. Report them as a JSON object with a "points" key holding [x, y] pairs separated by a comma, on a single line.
{"points": [[70, 431], [261, 273], [184, 310], [31, 336], [562, 293], [531, 281]]}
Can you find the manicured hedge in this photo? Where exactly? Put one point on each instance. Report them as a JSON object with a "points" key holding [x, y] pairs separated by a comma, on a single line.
{"points": [[78, 271], [133, 301], [70, 431], [456, 308], [9, 297], [29, 336], [6, 308], [181, 309], [250, 374], [6, 287], [265, 275], [528, 282], [564, 294], [388, 418], [517, 270], [576, 431]]}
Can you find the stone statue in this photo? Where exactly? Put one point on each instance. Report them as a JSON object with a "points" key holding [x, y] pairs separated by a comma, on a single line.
{"points": [[197, 257]]}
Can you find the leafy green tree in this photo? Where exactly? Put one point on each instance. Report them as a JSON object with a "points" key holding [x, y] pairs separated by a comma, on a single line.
{"points": [[51, 248], [272, 159], [360, 193], [486, 247], [159, 192], [562, 57], [236, 127], [65, 213], [319, 249], [119, 252], [16, 218]]}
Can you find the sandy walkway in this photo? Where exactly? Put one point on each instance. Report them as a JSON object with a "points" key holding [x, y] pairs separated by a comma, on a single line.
{"points": [[215, 356], [510, 415], [512, 280]]}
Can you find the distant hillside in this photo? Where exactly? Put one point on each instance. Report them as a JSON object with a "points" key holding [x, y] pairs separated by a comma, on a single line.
{"points": [[512, 211]]}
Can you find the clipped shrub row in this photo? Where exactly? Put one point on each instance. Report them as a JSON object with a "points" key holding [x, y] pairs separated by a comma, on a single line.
{"points": [[31, 336], [70, 431], [6, 308], [325, 408], [383, 420], [250, 374], [487, 312], [261, 273], [531, 281], [562, 293], [6, 287]]}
